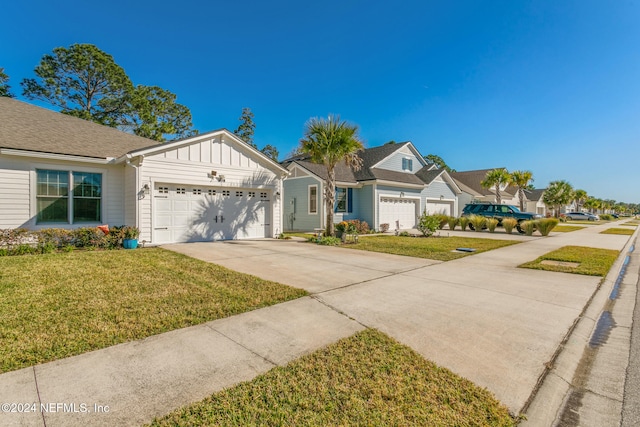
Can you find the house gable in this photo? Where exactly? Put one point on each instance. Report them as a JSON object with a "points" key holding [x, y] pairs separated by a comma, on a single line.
{"points": [[405, 158]]}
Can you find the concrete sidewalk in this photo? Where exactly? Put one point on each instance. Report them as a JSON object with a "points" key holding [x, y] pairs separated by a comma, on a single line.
{"points": [[479, 316]]}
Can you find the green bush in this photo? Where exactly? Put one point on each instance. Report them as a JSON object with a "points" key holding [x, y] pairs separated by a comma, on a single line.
{"points": [[528, 226], [464, 221], [404, 234], [606, 217], [509, 224], [428, 224], [452, 221], [492, 223], [545, 225], [442, 220], [328, 241], [477, 222]]}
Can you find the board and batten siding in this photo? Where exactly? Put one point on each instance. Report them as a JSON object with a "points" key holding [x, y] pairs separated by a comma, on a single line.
{"points": [[296, 198], [192, 165], [365, 205], [18, 191]]}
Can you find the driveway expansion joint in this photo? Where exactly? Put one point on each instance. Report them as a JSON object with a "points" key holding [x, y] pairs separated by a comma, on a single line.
{"points": [[318, 298], [35, 380], [266, 359]]}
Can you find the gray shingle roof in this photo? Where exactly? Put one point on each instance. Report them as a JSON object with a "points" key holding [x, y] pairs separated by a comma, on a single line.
{"points": [[472, 180], [534, 194], [28, 127]]}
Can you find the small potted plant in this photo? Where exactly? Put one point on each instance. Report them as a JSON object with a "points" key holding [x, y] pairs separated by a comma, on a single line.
{"points": [[130, 236], [341, 228]]}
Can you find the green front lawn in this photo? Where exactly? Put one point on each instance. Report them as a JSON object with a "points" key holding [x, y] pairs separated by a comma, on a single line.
{"points": [[59, 305], [623, 231], [566, 228], [591, 261], [438, 248], [367, 379]]}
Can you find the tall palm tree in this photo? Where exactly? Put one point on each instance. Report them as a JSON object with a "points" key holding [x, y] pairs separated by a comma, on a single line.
{"points": [[580, 196], [558, 194], [328, 142], [496, 178], [521, 179]]}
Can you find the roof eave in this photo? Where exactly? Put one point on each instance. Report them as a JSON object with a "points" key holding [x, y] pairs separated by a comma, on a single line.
{"points": [[57, 156]]}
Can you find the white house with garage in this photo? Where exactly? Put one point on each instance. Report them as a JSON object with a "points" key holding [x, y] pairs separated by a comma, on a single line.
{"points": [[58, 171], [394, 186]]}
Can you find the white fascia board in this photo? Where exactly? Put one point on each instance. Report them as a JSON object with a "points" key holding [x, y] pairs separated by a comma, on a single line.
{"points": [[54, 156], [158, 148]]}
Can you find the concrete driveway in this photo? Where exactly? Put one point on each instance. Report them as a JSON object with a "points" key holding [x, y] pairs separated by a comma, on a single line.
{"points": [[479, 316]]}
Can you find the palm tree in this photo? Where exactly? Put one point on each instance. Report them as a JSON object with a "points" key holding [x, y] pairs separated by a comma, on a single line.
{"points": [[328, 142], [496, 178], [521, 179], [580, 196], [558, 194]]}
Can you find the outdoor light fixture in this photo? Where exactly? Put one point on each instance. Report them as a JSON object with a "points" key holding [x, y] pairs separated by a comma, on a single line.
{"points": [[146, 189], [221, 178], [402, 194]]}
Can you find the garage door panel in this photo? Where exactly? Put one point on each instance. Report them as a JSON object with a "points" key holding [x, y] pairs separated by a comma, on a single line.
{"points": [[210, 214], [398, 212]]}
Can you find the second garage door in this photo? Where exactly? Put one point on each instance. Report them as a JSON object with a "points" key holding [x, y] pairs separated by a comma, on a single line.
{"points": [[398, 213], [190, 214]]}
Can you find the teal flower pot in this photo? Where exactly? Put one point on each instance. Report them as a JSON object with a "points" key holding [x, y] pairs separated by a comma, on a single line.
{"points": [[130, 243]]}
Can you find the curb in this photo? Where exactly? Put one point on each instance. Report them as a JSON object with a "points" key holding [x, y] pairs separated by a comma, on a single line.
{"points": [[558, 399]]}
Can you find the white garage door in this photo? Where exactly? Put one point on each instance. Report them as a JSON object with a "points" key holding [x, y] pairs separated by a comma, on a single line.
{"points": [[185, 213], [398, 213], [438, 208]]}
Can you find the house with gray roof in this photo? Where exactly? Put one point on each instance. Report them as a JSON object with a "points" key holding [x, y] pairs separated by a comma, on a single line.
{"points": [[473, 192], [394, 186], [64, 172]]}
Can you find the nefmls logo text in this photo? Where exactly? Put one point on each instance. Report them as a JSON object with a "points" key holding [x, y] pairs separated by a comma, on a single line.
{"points": [[74, 408]]}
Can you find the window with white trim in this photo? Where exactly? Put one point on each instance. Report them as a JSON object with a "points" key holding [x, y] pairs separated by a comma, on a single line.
{"points": [[56, 202], [407, 164], [313, 199], [344, 200]]}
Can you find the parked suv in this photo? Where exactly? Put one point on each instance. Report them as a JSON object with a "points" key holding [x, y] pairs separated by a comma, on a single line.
{"points": [[499, 212]]}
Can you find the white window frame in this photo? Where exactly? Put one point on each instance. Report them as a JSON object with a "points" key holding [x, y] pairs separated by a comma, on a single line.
{"points": [[309, 199], [70, 170], [409, 164]]}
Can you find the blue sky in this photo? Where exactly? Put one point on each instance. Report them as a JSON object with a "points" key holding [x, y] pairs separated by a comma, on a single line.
{"points": [[548, 86]]}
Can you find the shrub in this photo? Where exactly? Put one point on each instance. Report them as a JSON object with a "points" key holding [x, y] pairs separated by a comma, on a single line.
{"points": [[427, 224], [384, 227], [545, 225], [477, 222], [359, 227], [606, 217], [452, 221], [492, 223], [464, 221], [404, 234], [509, 224], [328, 241], [342, 226], [528, 226], [442, 220]]}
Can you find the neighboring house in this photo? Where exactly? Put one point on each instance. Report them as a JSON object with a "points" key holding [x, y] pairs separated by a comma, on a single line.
{"points": [[473, 192], [394, 186], [61, 171], [534, 201]]}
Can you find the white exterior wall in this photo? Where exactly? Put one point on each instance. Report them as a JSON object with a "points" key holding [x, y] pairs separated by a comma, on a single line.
{"points": [[18, 191], [191, 165]]}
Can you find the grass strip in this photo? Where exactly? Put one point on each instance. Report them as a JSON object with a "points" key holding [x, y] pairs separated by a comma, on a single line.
{"points": [[366, 379], [567, 228], [63, 304], [592, 261], [438, 248], [623, 231]]}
